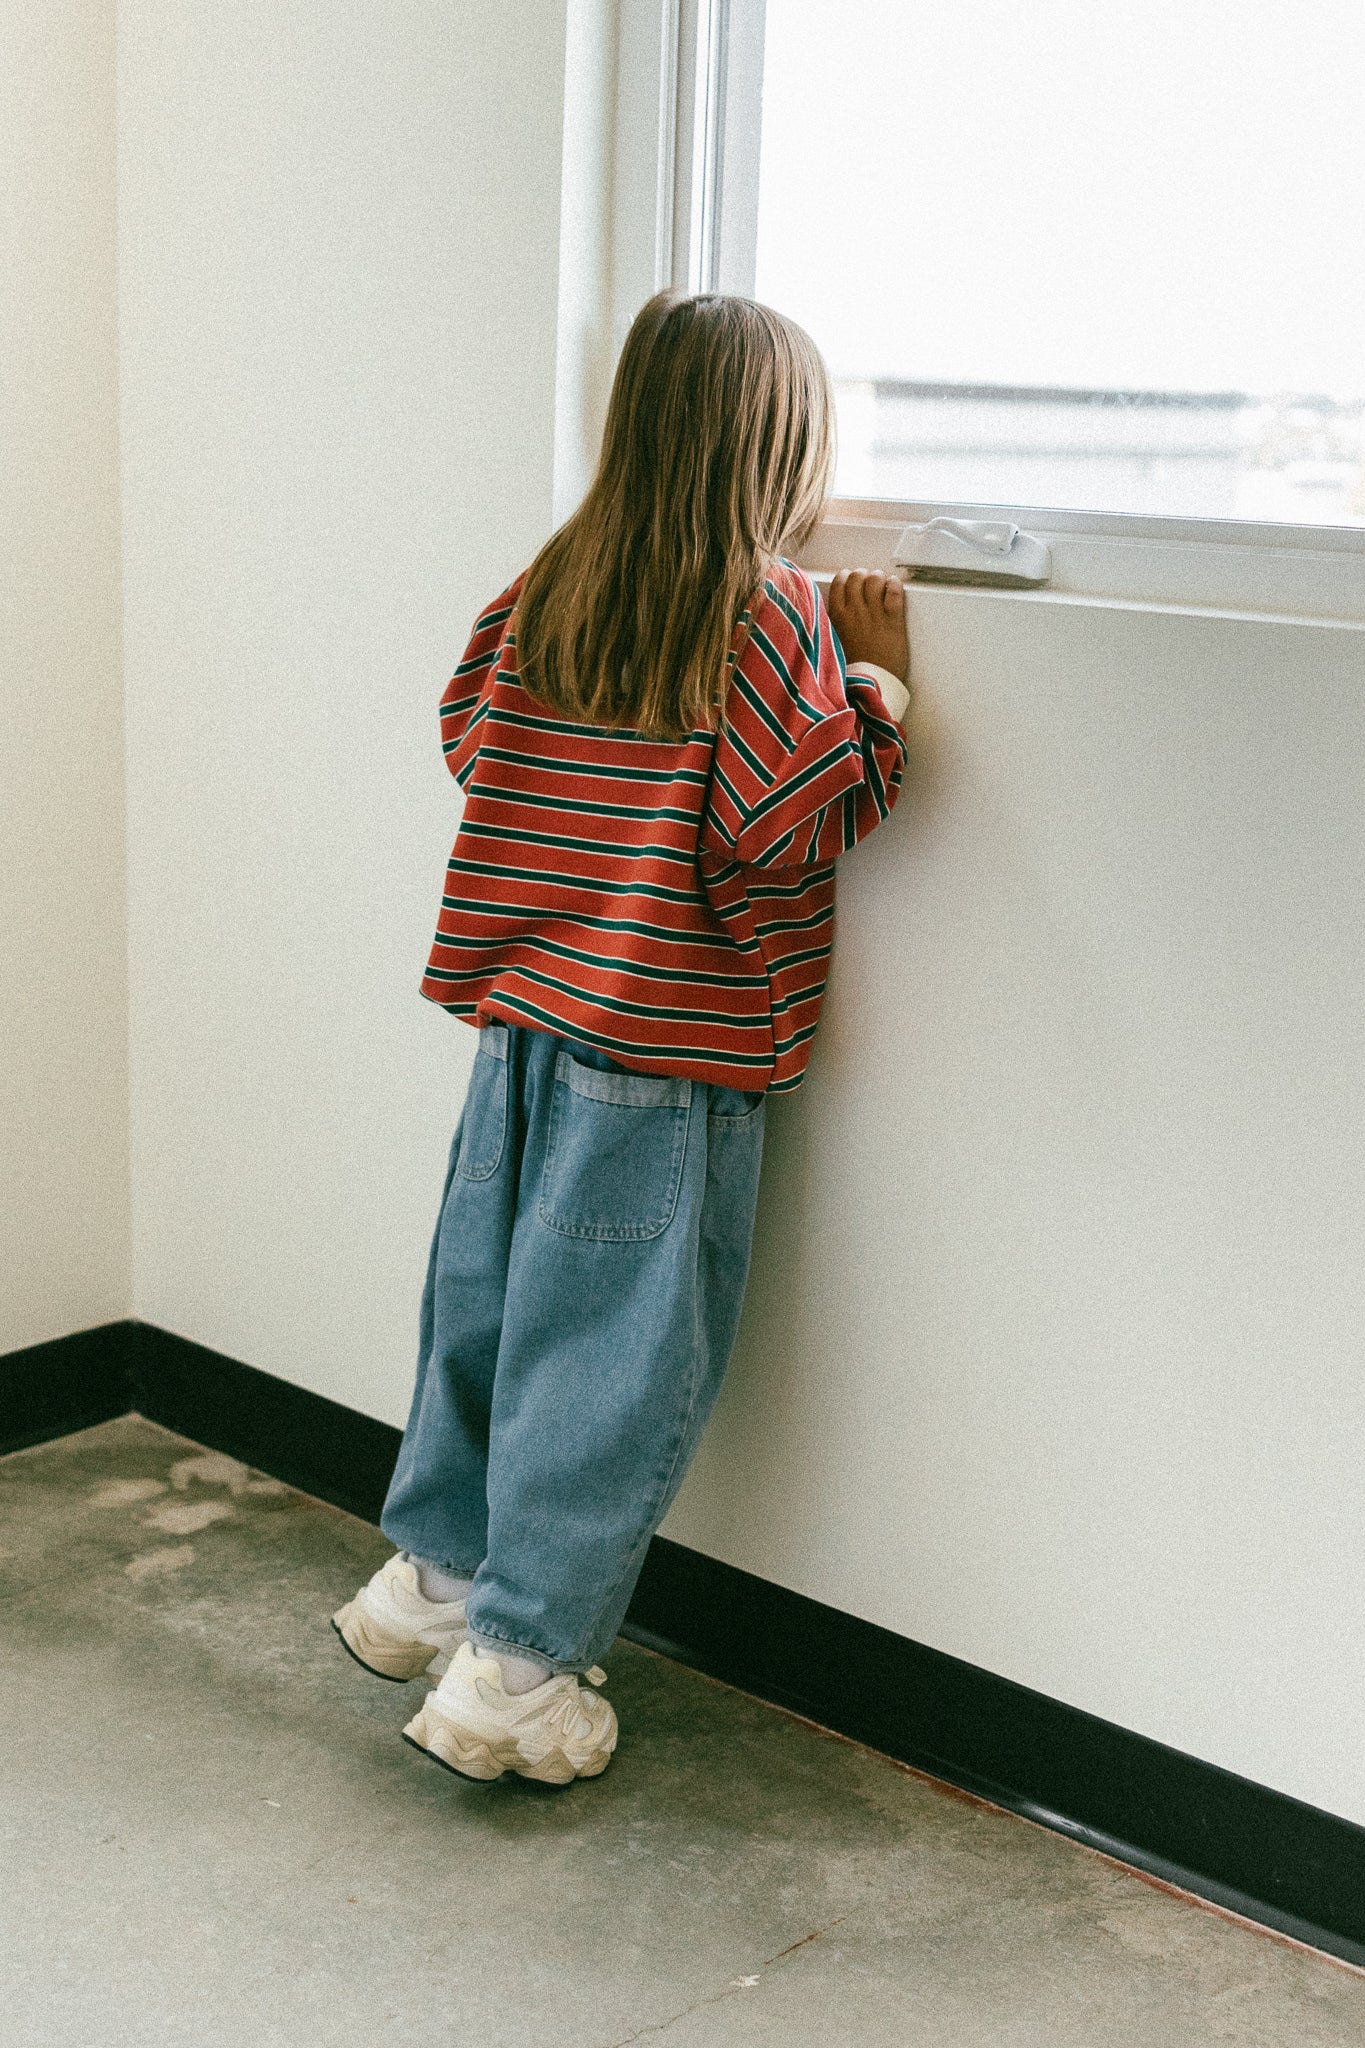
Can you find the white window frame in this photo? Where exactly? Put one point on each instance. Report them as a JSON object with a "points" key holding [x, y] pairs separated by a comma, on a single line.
{"points": [[689, 74], [688, 129]]}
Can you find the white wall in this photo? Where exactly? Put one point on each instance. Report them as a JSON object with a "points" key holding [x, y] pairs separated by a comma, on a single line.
{"points": [[1051, 1357], [1050, 1353], [340, 236], [64, 1261]]}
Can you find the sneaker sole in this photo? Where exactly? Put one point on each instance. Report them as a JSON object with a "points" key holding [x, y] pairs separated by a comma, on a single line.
{"points": [[475, 1756], [387, 1655]]}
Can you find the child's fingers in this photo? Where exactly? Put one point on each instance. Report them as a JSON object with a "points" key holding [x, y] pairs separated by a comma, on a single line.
{"points": [[868, 590], [862, 581]]}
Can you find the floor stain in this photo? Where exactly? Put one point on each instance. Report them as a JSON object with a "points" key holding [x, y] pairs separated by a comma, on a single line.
{"points": [[212, 1468], [183, 1518], [123, 1493], [152, 1564]]}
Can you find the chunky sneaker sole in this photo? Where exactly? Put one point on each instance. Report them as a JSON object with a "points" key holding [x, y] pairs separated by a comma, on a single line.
{"points": [[394, 1632], [385, 1654], [554, 1733]]}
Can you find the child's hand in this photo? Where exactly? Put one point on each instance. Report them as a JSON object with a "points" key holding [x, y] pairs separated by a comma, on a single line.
{"points": [[868, 613]]}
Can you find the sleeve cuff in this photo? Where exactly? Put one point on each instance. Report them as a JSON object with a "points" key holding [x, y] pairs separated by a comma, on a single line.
{"points": [[893, 692]]}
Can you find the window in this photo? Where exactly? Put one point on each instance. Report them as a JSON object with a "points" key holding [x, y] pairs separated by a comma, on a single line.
{"points": [[1097, 267], [1077, 256]]}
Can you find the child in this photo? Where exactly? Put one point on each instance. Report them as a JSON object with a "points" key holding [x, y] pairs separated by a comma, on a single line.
{"points": [[661, 752]]}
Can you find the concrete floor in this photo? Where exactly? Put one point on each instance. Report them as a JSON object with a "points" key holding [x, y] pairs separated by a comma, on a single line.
{"points": [[211, 1833]]}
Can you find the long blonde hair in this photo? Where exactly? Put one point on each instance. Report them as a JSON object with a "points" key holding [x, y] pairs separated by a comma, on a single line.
{"points": [[716, 459]]}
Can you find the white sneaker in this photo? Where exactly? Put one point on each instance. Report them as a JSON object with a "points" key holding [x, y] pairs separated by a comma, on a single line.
{"points": [[555, 1732], [394, 1630]]}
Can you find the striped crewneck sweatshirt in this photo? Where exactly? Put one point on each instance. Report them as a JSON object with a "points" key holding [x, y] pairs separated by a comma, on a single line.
{"points": [[671, 902]]}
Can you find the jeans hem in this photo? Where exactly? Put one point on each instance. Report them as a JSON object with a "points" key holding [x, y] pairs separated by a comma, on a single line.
{"points": [[442, 1564], [479, 1636], [457, 1571]]}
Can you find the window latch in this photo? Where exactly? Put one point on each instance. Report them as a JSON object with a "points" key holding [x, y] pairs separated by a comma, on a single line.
{"points": [[992, 551]]}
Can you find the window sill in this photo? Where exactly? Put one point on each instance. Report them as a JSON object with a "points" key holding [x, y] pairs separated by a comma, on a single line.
{"points": [[1292, 572]]}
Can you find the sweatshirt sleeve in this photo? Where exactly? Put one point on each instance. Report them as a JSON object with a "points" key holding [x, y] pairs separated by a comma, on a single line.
{"points": [[808, 757], [464, 701]]}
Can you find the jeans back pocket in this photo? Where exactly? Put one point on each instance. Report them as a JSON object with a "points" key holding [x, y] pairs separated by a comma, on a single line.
{"points": [[614, 1153], [483, 1123]]}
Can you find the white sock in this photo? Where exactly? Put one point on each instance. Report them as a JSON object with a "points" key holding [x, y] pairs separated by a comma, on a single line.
{"points": [[522, 1670], [434, 1582]]}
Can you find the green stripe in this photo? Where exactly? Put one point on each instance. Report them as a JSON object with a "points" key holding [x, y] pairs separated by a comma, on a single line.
{"points": [[476, 720], [606, 847], [491, 908], [781, 791], [591, 883], [620, 1006], [759, 639], [609, 962], [762, 711], [801, 1037], [564, 1028], [719, 773], [458, 704], [498, 792], [799, 995], [591, 732], [797, 623], [773, 857], [765, 892], [758, 769], [664, 775], [791, 960], [795, 924]]}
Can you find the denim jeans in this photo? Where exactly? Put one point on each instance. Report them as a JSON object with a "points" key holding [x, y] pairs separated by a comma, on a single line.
{"points": [[581, 1301]]}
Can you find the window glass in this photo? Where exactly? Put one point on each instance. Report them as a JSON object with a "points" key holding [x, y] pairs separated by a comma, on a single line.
{"points": [[1064, 254]]}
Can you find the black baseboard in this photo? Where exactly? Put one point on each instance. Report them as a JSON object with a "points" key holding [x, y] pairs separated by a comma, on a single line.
{"points": [[50, 1389], [1257, 1852], [1238, 1844], [310, 1442]]}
